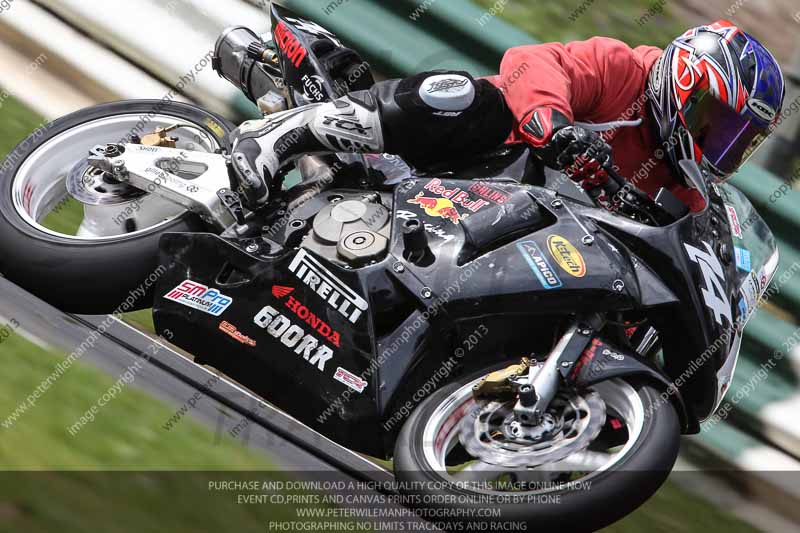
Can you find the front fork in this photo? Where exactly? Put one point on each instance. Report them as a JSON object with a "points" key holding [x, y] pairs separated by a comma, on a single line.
{"points": [[539, 387]]}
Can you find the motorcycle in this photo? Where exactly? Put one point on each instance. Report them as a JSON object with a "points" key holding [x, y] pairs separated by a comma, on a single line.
{"points": [[509, 340]]}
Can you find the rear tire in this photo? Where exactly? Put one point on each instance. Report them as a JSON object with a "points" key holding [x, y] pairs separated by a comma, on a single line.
{"points": [[82, 276]]}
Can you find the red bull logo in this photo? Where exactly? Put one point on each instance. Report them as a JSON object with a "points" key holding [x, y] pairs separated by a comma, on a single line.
{"points": [[438, 207], [455, 195], [447, 202]]}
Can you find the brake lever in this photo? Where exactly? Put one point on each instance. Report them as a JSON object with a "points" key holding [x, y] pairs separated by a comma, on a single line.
{"points": [[628, 194]]}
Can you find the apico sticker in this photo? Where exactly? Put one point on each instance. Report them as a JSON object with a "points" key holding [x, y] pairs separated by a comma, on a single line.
{"points": [[350, 379], [743, 261], [539, 264], [567, 256], [733, 220], [198, 296]]}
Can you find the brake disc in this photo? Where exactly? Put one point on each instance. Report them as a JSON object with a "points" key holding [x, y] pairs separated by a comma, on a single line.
{"points": [[491, 433]]}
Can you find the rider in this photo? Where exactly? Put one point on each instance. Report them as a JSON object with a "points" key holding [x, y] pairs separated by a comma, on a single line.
{"points": [[713, 95]]}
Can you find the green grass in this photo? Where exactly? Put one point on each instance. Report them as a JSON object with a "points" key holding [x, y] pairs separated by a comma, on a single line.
{"points": [[549, 20], [127, 434], [672, 510], [17, 122], [141, 319]]}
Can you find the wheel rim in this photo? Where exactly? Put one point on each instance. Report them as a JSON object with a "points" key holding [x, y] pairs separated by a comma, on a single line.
{"points": [[441, 441], [39, 187]]}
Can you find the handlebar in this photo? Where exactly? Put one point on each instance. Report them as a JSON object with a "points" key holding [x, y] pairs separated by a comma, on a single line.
{"points": [[631, 200]]}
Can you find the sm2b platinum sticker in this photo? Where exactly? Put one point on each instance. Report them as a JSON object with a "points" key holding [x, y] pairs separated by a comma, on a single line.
{"points": [[198, 296]]}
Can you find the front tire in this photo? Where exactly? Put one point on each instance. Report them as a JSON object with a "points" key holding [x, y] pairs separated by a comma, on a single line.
{"points": [[604, 496], [79, 274]]}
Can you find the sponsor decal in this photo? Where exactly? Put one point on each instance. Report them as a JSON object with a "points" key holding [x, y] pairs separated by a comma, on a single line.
{"points": [[447, 85], [350, 379], [743, 260], [294, 337], [539, 264], [750, 291], [743, 309], [613, 355], [313, 88], [231, 330], [345, 124], [489, 193], [567, 256], [303, 313], [198, 296], [279, 291], [289, 44], [327, 286], [456, 195], [761, 109], [438, 207], [733, 220], [714, 280], [433, 229], [762, 280]]}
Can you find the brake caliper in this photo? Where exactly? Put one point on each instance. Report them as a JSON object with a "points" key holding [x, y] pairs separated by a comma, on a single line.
{"points": [[498, 384]]}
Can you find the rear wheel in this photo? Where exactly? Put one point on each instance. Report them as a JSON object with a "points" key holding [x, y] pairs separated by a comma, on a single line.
{"points": [[74, 237], [599, 454]]}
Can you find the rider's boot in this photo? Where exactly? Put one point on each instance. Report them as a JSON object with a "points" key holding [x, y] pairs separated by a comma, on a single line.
{"points": [[262, 147]]}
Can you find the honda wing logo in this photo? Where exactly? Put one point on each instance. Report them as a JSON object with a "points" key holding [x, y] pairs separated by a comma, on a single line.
{"points": [[327, 286], [714, 278]]}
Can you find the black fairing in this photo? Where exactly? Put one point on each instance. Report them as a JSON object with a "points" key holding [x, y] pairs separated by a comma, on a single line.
{"points": [[508, 259]]}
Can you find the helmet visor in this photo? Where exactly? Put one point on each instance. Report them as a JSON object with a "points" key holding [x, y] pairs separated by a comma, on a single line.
{"points": [[727, 138]]}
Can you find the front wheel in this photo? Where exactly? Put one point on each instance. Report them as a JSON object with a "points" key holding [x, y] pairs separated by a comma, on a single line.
{"points": [[74, 237], [598, 454]]}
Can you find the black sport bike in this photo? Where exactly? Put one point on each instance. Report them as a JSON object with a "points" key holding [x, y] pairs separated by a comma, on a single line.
{"points": [[517, 343]]}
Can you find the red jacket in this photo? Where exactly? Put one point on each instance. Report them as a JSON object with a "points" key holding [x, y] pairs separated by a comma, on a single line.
{"points": [[598, 81]]}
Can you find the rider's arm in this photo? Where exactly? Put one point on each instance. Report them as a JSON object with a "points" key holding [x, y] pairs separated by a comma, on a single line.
{"points": [[588, 81]]}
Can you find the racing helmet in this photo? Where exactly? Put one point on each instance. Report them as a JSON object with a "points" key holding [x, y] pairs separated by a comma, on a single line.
{"points": [[714, 96]]}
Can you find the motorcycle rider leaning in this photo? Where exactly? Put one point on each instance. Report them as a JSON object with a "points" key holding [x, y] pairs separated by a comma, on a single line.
{"points": [[713, 95]]}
